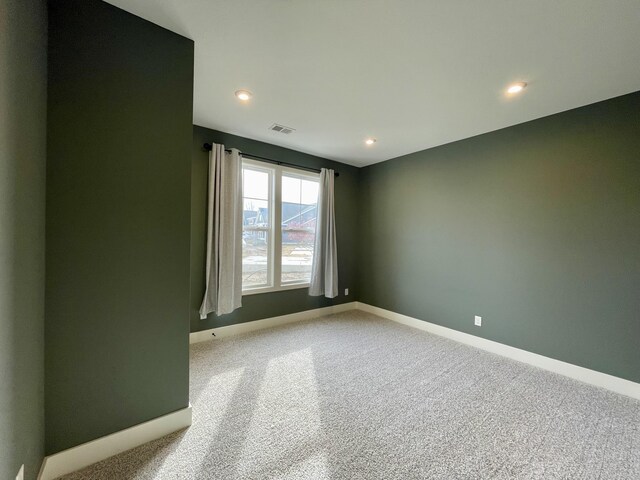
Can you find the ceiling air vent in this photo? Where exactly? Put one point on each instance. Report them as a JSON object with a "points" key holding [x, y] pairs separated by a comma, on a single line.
{"points": [[282, 129]]}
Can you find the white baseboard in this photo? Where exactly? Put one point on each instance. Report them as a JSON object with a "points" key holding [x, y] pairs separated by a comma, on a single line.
{"points": [[592, 377], [222, 332], [94, 451]]}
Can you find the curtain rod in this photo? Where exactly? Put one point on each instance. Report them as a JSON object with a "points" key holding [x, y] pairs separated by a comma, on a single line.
{"points": [[208, 147]]}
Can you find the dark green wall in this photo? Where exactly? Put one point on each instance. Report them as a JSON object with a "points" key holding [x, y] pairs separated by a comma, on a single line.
{"points": [[118, 203], [23, 114], [266, 305], [535, 227]]}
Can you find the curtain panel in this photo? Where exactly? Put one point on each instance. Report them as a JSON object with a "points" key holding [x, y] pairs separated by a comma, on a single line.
{"points": [[223, 293], [324, 269]]}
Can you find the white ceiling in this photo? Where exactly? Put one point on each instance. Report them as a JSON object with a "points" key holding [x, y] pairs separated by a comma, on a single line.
{"points": [[412, 73]]}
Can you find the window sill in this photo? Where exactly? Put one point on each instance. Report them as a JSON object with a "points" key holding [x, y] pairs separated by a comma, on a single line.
{"points": [[256, 291]]}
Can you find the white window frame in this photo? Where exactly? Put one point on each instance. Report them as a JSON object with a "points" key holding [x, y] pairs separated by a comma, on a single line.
{"points": [[274, 267]]}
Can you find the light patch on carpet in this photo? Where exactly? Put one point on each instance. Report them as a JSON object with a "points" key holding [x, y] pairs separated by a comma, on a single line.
{"points": [[283, 425]]}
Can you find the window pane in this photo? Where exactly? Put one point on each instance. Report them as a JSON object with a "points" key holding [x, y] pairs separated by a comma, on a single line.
{"points": [[290, 189], [256, 184], [309, 192], [299, 206], [255, 259]]}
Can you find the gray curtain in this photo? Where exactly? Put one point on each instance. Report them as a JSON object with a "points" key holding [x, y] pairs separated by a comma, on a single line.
{"points": [[324, 269], [224, 233]]}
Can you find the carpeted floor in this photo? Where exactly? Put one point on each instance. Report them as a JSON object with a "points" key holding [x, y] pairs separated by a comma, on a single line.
{"points": [[353, 396]]}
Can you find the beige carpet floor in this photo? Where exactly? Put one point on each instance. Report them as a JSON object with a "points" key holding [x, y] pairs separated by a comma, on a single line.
{"points": [[353, 396]]}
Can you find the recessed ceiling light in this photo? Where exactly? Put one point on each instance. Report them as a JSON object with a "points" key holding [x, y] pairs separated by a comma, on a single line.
{"points": [[516, 87], [370, 141], [244, 95]]}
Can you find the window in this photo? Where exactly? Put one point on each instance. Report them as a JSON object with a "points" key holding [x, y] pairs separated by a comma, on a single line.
{"points": [[299, 206], [257, 232], [277, 258]]}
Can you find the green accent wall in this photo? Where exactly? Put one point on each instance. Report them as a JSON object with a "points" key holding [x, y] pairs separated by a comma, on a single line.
{"points": [[255, 307], [118, 209], [23, 115], [535, 227]]}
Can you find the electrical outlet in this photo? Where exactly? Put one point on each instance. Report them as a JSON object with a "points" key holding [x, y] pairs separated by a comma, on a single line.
{"points": [[20, 475], [478, 321], [346, 291]]}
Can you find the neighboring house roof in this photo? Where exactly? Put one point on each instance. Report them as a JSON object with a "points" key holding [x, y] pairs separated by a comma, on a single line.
{"points": [[293, 214], [301, 215]]}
